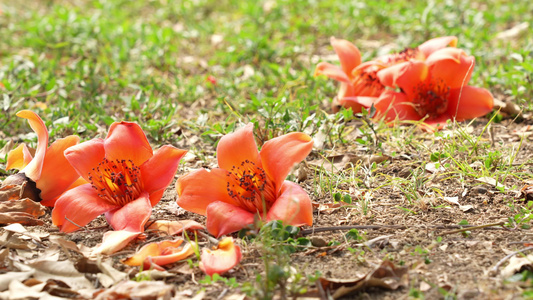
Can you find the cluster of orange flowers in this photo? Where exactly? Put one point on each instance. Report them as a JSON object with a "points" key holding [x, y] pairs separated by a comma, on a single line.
{"points": [[122, 177], [428, 83]]}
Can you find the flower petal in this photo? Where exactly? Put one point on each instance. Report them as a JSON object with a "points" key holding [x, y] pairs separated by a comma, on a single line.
{"points": [[357, 102], [452, 66], [18, 158], [151, 249], [280, 154], [348, 53], [175, 227], [293, 206], [197, 189], [235, 148], [219, 261], [79, 205], [126, 140], [224, 218], [158, 172], [331, 71], [86, 156], [114, 241], [395, 105], [430, 46], [131, 216], [469, 102], [33, 169], [179, 254], [406, 75], [53, 183], [51, 201]]}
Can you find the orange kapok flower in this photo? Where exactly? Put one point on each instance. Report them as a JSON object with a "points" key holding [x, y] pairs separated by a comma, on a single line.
{"points": [[359, 81], [219, 261], [155, 255], [249, 183], [125, 180], [434, 90], [48, 168]]}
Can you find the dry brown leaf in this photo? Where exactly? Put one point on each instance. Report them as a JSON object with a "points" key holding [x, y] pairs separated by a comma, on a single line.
{"points": [[19, 217], [143, 290], [28, 187], [24, 205], [386, 276], [10, 192], [516, 264], [6, 278], [60, 270], [10, 240]]}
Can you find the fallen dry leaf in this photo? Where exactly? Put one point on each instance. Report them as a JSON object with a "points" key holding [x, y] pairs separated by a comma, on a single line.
{"points": [[517, 264], [23, 205], [19, 217], [143, 290], [27, 188], [60, 270]]}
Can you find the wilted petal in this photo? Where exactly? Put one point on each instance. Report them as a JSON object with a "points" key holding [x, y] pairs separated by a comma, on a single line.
{"points": [[77, 207], [175, 227], [126, 140], [293, 206], [152, 249], [469, 102], [452, 66], [331, 71], [18, 158], [430, 46], [159, 170], [348, 53], [224, 218], [85, 156], [280, 154], [219, 261], [33, 169], [171, 255], [197, 189], [132, 216], [114, 241], [236, 147], [57, 173]]}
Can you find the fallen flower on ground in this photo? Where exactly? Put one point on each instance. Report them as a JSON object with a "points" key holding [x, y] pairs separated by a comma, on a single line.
{"points": [[155, 255], [359, 81], [249, 183], [434, 91], [42, 167], [219, 261], [125, 180]]}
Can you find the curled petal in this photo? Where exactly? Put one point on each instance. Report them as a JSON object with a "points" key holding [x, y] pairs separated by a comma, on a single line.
{"points": [[293, 206], [114, 241], [430, 46], [159, 170], [77, 207], [152, 249], [18, 158], [219, 261], [224, 218], [349, 55], [469, 102], [171, 256], [85, 156], [236, 147], [395, 106], [332, 72], [280, 154], [406, 75], [132, 216], [175, 227], [197, 189], [126, 140], [53, 183], [452, 66], [33, 169]]}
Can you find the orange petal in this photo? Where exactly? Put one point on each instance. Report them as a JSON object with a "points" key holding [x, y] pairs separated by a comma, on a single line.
{"points": [[18, 158], [349, 55], [280, 154], [78, 207], [33, 169], [51, 202], [131, 216], [430, 46], [224, 218], [114, 241], [469, 102], [357, 102], [172, 257], [158, 172], [235, 148], [151, 249], [432, 125], [452, 66], [175, 227], [293, 206], [197, 189], [405, 75], [53, 183], [126, 140], [395, 105], [331, 71], [85, 156], [219, 261]]}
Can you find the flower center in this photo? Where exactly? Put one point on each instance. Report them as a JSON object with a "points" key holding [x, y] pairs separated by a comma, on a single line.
{"points": [[116, 181], [404, 55], [366, 81], [248, 185], [431, 98]]}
